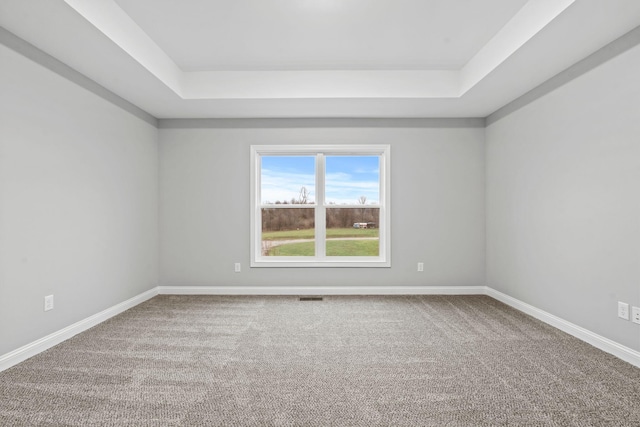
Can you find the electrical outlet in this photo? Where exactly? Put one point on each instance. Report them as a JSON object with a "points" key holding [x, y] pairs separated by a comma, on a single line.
{"points": [[623, 310], [635, 315], [237, 267], [48, 303], [421, 266]]}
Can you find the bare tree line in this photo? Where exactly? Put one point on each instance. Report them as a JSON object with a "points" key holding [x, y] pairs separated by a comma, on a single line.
{"points": [[275, 219]]}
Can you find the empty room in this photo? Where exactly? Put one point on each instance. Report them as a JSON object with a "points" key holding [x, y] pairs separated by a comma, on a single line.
{"points": [[320, 213]]}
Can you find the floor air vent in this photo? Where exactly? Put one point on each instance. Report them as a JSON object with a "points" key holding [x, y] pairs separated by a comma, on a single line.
{"points": [[310, 298]]}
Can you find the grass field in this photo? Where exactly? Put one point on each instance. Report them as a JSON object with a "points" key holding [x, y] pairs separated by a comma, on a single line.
{"points": [[353, 248], [334, 247], [293, 249], [308, 233]]}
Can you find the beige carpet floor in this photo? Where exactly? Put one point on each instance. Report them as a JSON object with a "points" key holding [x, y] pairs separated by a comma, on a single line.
{"points": [[343, 361]]}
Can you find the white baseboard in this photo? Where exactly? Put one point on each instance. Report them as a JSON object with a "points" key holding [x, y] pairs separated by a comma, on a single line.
{"points": [[605, 344], [321, 290], [23, 353]]}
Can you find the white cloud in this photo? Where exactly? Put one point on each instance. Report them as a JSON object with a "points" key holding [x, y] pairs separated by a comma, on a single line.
{"points": [[283, 186], [347, 191], [340, 187]]}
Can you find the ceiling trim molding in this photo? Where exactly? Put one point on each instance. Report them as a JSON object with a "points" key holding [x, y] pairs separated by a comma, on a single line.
{"points": [[274, 123], [322, 84], [47, 61], [113, 22], [599, 57], [529, 21]]}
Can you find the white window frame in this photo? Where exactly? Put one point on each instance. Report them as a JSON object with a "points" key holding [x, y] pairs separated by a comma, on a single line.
{"points": [[320, 206]]}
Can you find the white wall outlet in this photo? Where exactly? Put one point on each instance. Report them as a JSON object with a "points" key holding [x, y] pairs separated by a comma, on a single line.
{"points": [[237, 268], [623, 310], [635, 315], [48, 303], [421, 266]]}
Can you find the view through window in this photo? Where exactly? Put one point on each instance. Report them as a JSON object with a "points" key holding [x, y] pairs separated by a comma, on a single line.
{"points": [[320, 205]]}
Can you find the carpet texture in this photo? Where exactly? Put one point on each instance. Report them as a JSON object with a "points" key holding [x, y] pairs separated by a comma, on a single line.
{"points": [[344, 361]]}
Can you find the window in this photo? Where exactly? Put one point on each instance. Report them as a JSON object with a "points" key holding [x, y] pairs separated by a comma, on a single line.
{"points": [[320, 206]]}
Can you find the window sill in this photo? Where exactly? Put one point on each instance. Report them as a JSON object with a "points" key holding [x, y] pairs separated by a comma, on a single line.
{"points": [[292, 262]]}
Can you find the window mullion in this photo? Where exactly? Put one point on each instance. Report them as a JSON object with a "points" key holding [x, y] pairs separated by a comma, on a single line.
{"points": [[320, 217]]}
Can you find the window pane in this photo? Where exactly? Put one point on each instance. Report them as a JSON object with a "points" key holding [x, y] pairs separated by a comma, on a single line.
{"points": [[287, 179], [352, 180], [353, 231], [288, 232]]}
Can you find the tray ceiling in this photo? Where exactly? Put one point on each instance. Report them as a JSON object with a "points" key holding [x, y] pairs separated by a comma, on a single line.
{"points": [[319, 58]]}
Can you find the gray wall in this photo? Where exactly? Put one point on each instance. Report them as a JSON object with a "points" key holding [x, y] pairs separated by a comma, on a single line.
{"points": [[563, 200], [437, 201], [78, 202]]}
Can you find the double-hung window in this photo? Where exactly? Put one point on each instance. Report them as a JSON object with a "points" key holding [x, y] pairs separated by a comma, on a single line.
{"points": [[320, 206]]}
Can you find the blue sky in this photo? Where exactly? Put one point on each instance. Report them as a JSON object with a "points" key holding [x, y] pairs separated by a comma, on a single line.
{"points": [[347, 178]]}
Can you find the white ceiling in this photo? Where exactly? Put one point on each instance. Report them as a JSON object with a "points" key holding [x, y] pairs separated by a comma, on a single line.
{"points": [[319, 58], [321, 34]]}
